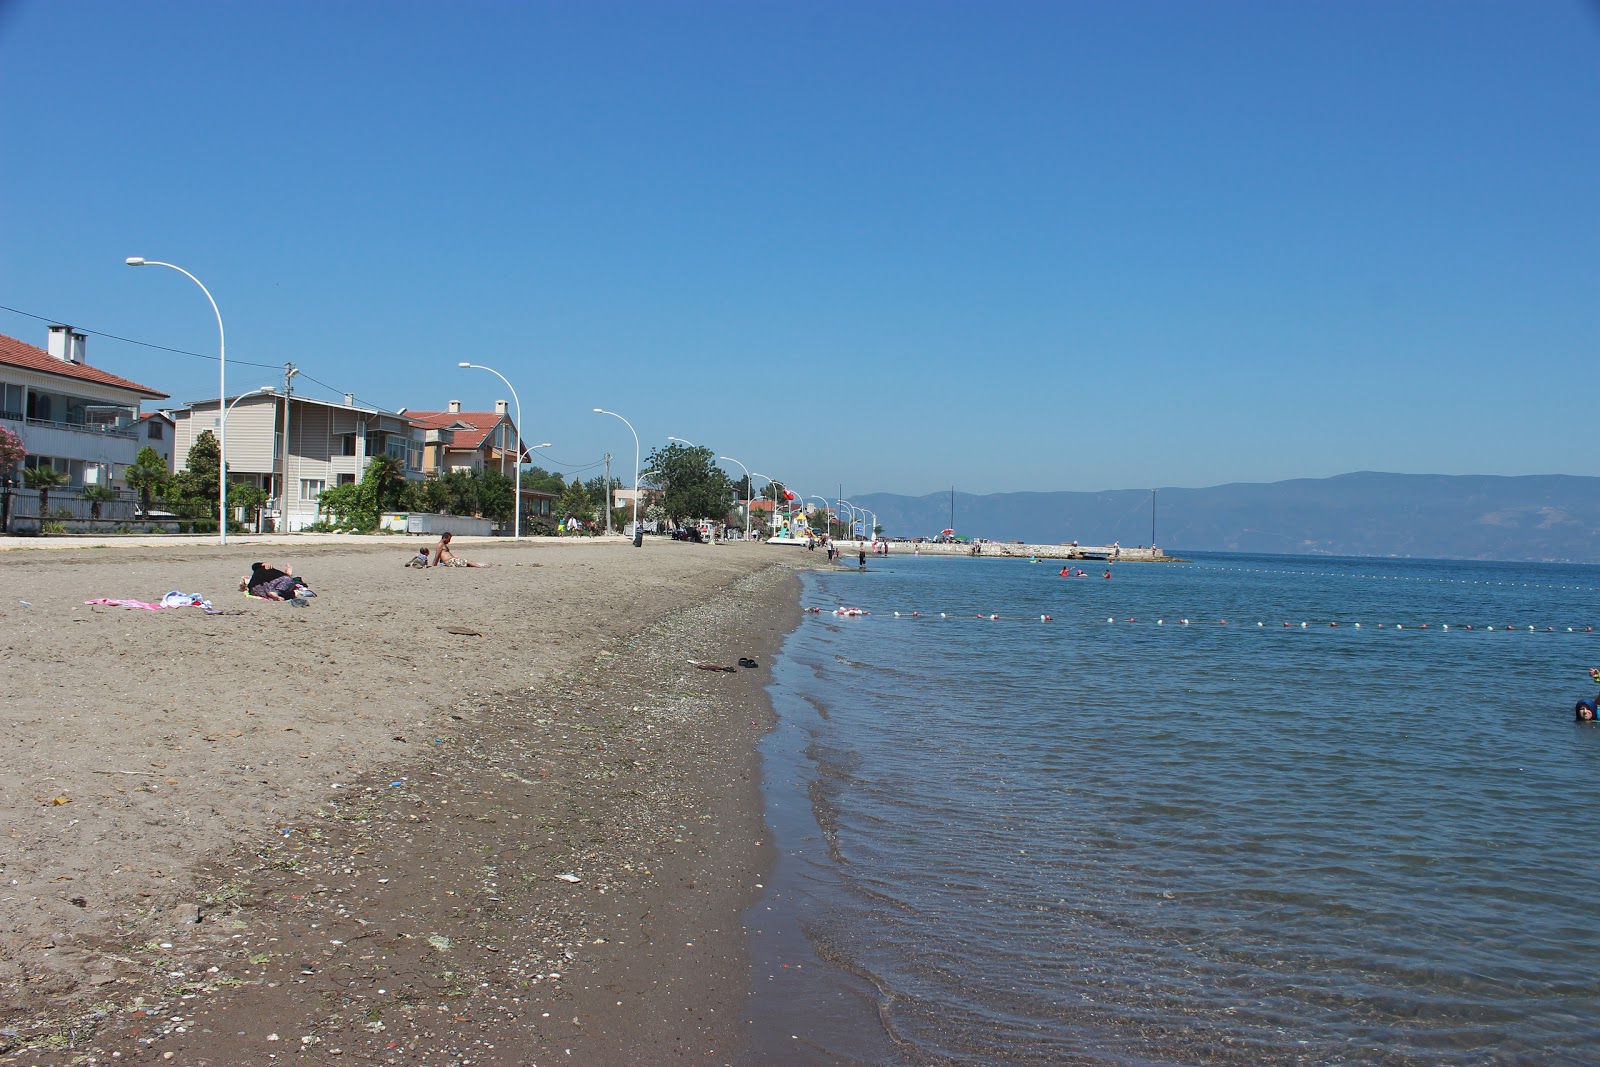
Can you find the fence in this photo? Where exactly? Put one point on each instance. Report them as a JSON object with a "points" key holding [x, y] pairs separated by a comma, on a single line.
{"points": [[19, 508]]}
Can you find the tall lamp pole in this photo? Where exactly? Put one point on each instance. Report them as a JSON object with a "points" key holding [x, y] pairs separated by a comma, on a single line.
{"points": [[825, 510], [516, 520], [1152, 520], [749, 487], [638, 534], [758, 474], [222, 394], [846, 504]]}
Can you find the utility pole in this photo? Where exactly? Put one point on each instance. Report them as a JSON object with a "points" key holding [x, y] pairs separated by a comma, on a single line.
{"points": [[607, 504], [289, 371]]}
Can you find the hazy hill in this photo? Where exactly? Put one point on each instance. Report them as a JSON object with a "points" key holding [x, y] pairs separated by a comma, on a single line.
{"points": [[1536, 517]]}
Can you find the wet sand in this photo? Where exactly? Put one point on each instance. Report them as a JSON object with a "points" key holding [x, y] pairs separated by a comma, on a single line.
{"points": [[489, 816]]}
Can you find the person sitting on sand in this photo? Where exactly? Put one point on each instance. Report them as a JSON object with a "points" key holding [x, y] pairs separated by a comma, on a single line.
{"points": [[271, 582], [443, 557]]}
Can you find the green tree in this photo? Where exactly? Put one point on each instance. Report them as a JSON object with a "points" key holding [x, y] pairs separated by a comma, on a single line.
{"points": [[575, 503], [387, 476], [461, 492], [693, 486], [542, 481], [148, 476], [43, 479], [360, 505], [98, 496], [601, 491], [194, 490], [497, 497]]}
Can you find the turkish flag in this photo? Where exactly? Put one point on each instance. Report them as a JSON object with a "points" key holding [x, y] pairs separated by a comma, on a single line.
{"points": [[788, 495]]}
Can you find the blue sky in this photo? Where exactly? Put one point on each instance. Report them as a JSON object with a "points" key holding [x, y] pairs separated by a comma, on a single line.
{"points": [[894, 245]]}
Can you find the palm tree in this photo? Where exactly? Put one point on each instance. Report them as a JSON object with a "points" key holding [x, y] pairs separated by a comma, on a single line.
{"points": [[385, 474], [97, 495], [43, 479]]}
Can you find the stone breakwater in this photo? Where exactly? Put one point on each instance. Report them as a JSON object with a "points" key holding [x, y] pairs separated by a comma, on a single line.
{"points": [[1010, 549]]}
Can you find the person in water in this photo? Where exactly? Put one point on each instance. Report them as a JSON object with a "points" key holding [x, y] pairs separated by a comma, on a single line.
{"points": [[1584, 711]]}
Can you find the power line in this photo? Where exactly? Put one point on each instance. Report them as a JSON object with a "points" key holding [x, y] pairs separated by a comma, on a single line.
{"points": [[131, 341]]}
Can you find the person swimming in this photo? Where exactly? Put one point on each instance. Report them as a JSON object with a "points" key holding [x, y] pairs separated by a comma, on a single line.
{"points": [[1584, 711]]}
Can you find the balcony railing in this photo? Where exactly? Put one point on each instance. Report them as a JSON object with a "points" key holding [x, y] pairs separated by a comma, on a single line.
{"points": [[105, 428]]}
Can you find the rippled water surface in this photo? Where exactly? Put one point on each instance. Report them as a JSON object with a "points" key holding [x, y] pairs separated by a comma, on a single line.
{"points": [[1083, 841]]}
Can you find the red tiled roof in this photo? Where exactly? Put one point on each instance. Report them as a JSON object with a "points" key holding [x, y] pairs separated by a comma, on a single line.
{"points": [[482, 423], [17, 353]]}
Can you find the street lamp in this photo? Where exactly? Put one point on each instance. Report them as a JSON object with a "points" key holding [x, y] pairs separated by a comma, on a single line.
{"points": [[638, 534], [516, 521], [825, 510], [758, 474], [682, 441], [749, 487], [846, 504], [222, 394]]}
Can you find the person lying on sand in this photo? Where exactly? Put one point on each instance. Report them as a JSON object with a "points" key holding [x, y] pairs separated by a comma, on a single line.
{"points": [[271, 582], [443, 557]]}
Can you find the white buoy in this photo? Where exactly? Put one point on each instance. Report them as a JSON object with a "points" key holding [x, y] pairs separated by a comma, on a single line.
{"points": [[1358, 626]]}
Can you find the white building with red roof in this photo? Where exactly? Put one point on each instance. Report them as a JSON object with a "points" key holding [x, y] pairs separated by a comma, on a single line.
{"points": [[81, 420]]}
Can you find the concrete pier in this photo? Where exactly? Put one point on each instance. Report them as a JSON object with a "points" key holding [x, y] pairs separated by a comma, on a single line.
{"points": [[1013, 549]]}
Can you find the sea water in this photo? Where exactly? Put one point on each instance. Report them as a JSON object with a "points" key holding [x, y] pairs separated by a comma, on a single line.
{"points": [[1236, 810]]}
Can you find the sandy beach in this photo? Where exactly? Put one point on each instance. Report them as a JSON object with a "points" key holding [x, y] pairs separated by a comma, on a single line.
{"points": [[454, 816]]}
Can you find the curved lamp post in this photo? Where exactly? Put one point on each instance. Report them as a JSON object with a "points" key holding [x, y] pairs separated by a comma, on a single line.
{"points": [[516, 520], [845, 503], [638, 534], [749, 488], [222, 394], [825, 510], [758, 474], [682, 441], [257, 391]]}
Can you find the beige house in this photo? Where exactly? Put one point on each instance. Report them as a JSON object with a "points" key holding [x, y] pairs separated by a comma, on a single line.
{"points": [[468, 440], [326, 444]]}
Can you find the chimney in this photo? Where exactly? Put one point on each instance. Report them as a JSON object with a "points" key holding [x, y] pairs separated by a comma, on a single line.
{"points": [[349, 400], [455, 407], [66, 344], [499, 407]]}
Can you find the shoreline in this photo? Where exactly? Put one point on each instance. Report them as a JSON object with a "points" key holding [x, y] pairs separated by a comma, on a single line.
{"points": [[394, 892]]}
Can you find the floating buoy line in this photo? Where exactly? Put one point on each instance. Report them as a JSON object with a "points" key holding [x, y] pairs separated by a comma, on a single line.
{"points": [[1259, 624], [1407, 578]]}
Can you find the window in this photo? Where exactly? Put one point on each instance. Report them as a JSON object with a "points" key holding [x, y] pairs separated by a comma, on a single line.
{"points": [[311, 488], [11, 402], [348, 445], [155, 431], [347, 479]]}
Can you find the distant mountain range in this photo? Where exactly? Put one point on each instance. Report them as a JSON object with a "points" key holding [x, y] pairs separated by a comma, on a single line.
{"points": [[1540, 518]]}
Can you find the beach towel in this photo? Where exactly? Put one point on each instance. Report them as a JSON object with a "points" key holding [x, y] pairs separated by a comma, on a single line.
{"points": [[193, 600]]}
